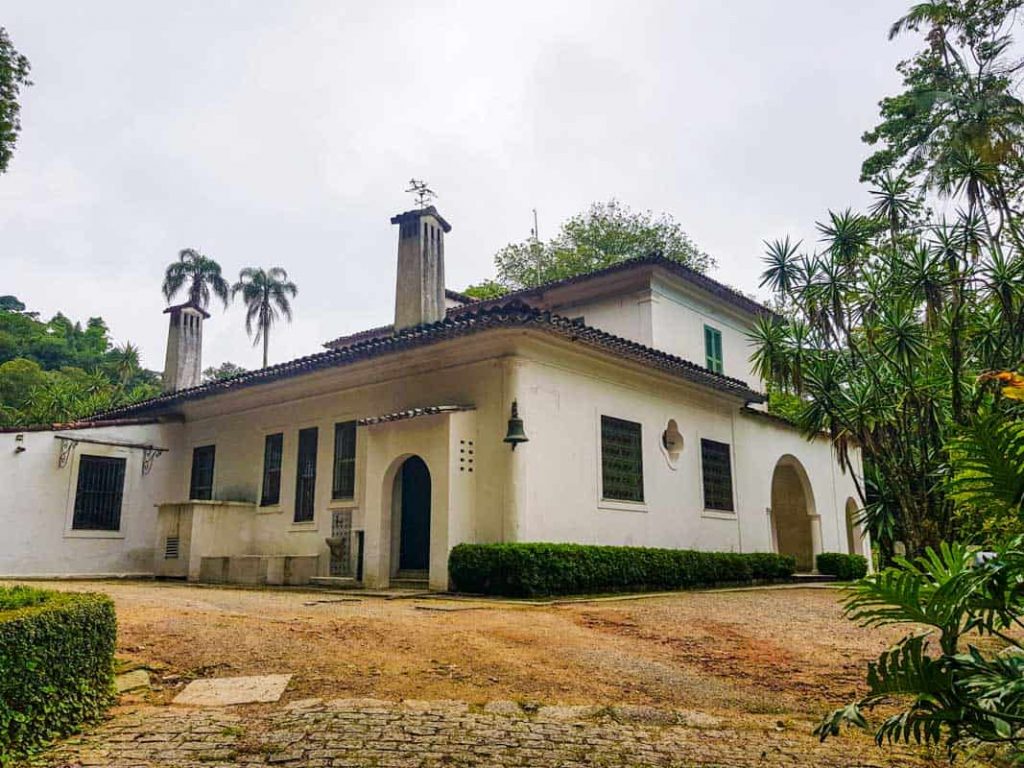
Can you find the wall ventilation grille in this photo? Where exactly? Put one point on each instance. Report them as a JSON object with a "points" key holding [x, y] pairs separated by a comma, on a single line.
{"points": [[171, 547]]}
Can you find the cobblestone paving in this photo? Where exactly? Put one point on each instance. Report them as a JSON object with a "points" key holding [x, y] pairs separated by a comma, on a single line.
{"points": [[411, 734]]}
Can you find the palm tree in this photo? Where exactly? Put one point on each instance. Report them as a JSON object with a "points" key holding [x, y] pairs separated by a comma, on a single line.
{"points": [[202, 275], [264, 292]]}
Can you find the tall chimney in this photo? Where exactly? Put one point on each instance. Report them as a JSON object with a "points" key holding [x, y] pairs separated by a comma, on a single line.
{"points": [[184, 362], [419, 291]]}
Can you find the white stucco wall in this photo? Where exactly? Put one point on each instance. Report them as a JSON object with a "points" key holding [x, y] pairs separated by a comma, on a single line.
{"points": [[37, 503], [547, 490], [560, 493]]}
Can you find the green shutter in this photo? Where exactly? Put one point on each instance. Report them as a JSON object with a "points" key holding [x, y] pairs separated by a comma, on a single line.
{"points": [[713, 349]]}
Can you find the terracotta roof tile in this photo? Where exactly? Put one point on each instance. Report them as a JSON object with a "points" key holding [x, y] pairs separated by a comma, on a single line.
{"points": [[479, 319]]}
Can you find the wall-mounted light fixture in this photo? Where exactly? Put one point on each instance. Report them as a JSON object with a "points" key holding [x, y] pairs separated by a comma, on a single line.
{"points": [[515, 434]]}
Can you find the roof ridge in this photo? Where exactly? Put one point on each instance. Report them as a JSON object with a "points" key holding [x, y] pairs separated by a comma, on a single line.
{"points": [[652, 259]]}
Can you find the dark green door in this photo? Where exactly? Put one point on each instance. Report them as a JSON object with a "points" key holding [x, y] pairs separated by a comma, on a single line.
{"points": [[414, 547]]}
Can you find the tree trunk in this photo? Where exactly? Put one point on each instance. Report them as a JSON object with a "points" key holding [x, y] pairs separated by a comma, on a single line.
{"points": [[266, 345]]}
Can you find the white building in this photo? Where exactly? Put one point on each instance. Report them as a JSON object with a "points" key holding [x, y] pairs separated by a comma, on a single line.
{"points": [[375, 457]]}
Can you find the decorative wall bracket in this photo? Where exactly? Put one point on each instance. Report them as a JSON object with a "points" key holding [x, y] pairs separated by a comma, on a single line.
{"points": [[67, 447], [148, 454]]}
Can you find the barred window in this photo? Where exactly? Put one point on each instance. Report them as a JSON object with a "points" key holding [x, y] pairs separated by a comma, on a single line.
{"points": [[716, 465], [344, 485], [273, 451], [201, 485], [99, 493], [305, 475], [622, 463], [713, 349]]}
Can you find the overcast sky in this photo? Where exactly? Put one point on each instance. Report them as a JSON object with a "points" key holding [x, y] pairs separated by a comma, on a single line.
{"points": [[284, 133]]}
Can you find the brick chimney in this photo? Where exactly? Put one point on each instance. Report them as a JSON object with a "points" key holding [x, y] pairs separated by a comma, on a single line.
{"points": [[419, 291], [184, 362]]}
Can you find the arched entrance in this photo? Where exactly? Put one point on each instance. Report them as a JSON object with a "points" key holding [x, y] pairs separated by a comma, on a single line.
{"points": [[854, 532], [411, 517], [793, 515]]}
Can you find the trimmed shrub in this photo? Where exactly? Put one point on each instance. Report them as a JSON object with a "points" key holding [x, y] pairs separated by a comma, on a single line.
{"points": [[528, 570], [844, 567], [56, 665]]}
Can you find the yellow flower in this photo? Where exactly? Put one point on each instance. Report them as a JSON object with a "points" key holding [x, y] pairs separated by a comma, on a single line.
{"points": [[1012, 383]]}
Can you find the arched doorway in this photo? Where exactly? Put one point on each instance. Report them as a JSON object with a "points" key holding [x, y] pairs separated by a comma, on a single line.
{"points": [[411, 517], [854, 531], [793, 515]]}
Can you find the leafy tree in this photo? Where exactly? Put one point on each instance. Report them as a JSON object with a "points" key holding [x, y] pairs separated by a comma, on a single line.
{"points": [[18, 380], [958, 675], [11, 304], [225, 370], [202, 276], [14, 69], [603, 235], [266, 294], [890, 322], [488, 289], [58, 371]]}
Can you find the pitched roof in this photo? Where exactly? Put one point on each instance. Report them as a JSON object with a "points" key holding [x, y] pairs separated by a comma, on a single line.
{"points": [[386, 330], [698, 279], [510, 314]]}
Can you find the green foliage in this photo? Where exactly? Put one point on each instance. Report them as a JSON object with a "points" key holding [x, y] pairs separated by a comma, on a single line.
{"points": [[14, 69], [267, 295], [525, 570], [225, 370], [988, 483], [57, 662], [842, 566], [198, 275], [58, 371], [10, 303], [949, 686], [604, 235], [488, 289]]}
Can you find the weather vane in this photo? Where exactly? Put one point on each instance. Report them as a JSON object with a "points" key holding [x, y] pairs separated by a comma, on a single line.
{"points": [[424, 194]]}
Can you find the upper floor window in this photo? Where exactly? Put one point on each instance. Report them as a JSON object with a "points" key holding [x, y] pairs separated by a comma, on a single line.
{"points": [[713, 349], [305, 475], [99, 493], [622, 461], [716, 467], [344, 485], [273, 453], [201, 484]]}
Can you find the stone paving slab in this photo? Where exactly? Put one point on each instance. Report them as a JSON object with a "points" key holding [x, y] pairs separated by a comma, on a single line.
{"points": [[351, 733], [224, 691]]}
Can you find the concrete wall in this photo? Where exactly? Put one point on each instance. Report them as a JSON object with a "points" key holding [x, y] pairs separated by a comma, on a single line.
{"points": [[37, 500]]}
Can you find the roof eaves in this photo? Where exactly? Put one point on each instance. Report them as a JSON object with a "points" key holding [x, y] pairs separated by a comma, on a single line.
{"points": [[511, 314]]}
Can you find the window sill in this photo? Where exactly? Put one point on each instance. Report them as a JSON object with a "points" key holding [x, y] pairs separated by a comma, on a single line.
{"points": [[342, 504], [82, 534], [305, 525], [622, 506], [718, 514], [269, 509]]}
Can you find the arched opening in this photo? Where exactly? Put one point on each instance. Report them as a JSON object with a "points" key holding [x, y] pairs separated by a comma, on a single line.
{"points": [[411, 518], [854, 531], [793, 515]]}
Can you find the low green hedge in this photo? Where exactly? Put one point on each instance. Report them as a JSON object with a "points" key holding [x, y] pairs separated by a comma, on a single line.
{"points": [[56, 665], [526, 570], [845, 567]]}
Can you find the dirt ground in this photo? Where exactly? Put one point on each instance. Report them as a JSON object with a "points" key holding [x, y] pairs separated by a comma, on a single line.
{"points": [[782, 655]]}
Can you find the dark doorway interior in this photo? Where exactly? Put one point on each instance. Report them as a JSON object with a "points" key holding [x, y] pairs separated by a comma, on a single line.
{"points": [[414, 542]]}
